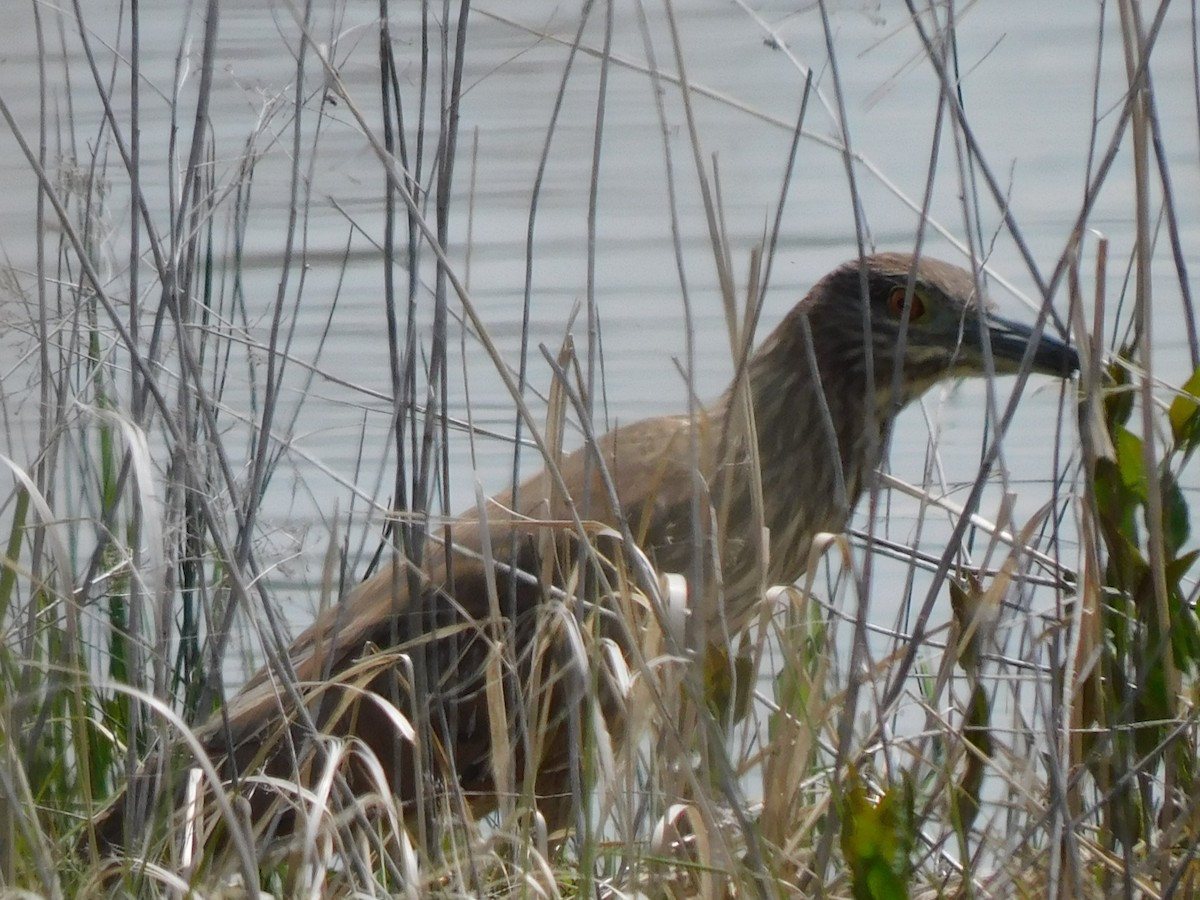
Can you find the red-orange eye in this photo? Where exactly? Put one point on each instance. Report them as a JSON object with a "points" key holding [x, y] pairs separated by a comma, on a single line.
{"points": [[895, 305]]}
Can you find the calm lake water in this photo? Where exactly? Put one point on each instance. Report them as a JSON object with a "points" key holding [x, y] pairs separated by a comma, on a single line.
{"points": [[1029, 84]]}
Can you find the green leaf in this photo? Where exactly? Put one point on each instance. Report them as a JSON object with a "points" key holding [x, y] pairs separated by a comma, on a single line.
{"points": [[1130, 462], [877, 839], [1118, 401], [1183, 411], [1117, 505], [727, 684], [1176, 527], [1178, 567]]}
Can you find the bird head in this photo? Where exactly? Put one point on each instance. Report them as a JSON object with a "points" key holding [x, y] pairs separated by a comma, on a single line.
{"points": [[927, 319]]}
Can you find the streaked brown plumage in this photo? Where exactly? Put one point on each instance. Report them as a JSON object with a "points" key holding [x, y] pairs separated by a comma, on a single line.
{"points": [[822, 407]]}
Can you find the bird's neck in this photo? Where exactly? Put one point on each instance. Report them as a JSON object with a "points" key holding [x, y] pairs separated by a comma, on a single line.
{"points": [[819, 434], [816, 414]]}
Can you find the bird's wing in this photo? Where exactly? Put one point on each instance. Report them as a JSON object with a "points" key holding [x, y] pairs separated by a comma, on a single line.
{"points": [[651, 467]]}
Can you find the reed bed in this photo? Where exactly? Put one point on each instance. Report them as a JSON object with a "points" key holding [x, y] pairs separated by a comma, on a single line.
{"points": [[1025, 726]]}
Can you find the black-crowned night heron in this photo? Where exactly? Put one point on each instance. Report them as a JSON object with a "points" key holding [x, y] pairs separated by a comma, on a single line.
{"points": [[823, 391]]}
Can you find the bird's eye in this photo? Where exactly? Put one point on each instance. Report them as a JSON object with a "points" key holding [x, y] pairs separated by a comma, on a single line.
{"points": [[895, 305]]}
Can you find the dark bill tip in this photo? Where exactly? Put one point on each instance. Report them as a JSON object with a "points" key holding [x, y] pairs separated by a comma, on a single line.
{"points": [[1010, 341]]}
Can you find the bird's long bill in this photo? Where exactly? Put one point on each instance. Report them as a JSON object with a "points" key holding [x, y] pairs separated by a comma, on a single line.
{"points": [[1010, 340]]}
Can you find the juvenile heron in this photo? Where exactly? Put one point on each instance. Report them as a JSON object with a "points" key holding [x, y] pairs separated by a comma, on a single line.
{"points": [[823, 390]]}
